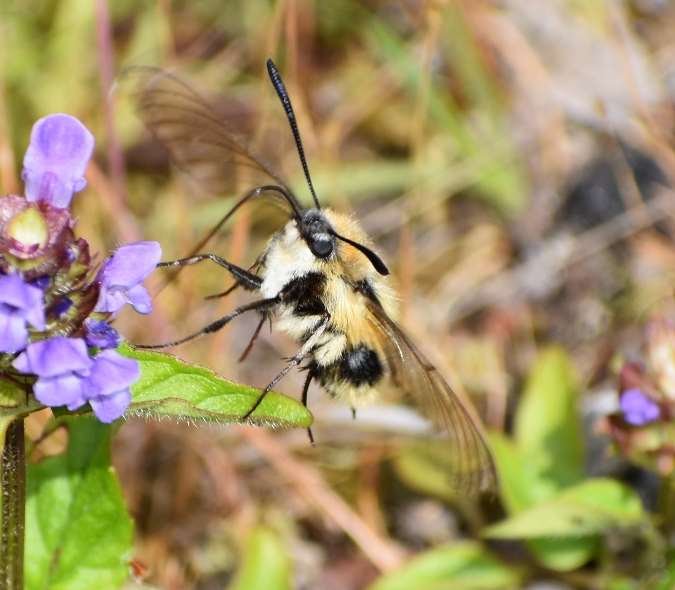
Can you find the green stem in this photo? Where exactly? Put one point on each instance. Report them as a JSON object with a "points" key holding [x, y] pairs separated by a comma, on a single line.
{"points": [[13, 490]]}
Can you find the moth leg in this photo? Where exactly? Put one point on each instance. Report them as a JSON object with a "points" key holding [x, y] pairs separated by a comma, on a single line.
{"points": [[245, 278], [293, 362], [251, 342], [253, 268], [261, 304], [224, 293], [305, 391]]}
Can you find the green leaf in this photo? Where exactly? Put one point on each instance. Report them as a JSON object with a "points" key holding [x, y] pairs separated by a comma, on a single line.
{"points": [[78, 532], [519, 483], [520, 487], [461, 566], [547, 428], [171, 388], [594, 506], [266, 565], [563, 531], [564, 554]]}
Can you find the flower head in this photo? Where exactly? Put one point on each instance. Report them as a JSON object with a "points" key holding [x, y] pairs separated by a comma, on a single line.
{"points": [[21, 305], [50, 292], [121, 277], [638, 409], [54, 164]]}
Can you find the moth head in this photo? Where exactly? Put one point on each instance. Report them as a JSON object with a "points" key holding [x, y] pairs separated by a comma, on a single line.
{"points": [[318, 233]]}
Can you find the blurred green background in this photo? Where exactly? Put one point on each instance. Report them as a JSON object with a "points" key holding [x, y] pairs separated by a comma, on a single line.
{"points": [[512, 160]]}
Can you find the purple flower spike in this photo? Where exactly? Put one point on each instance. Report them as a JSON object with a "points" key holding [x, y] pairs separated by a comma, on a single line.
{"points": [[54, 164], [101, 334], [638, 409], [62, 366], [122, 277], [20, 305], [108, 384]]}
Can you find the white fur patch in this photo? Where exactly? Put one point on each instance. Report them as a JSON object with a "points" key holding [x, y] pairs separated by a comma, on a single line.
{"points": [[287, 258]]}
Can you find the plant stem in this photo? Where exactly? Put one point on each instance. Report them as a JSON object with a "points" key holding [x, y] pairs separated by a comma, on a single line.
{"points": [[13, 489]]}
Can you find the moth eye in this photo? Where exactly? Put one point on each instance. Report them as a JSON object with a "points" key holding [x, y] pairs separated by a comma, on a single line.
{"points": [[322, 248]]}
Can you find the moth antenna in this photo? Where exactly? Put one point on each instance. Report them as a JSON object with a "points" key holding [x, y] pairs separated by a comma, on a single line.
{"points": [[278, 84]]}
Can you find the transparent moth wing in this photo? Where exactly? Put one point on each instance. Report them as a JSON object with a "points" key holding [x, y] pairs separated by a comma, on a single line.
{"points": [[201, 142], [415, 378]]}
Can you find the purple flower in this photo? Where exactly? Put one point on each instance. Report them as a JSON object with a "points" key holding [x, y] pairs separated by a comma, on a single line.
{"points": [[638, 409], [122, 277], [62, 366], [67, 376], [101, 334], [20, 304], [54, 164], [108, 384]]}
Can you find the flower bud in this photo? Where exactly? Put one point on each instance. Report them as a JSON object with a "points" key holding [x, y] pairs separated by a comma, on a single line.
{"points": [[28, 229]]}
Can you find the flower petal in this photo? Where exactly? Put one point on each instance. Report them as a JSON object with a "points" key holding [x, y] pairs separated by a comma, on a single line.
{"points": [[53, 357], [140, 299], [638, 408], [16, 292], [112, 372], [60, 391], [110, 407], [130, 264], [54, 164], [111, 300], [13, 333]]}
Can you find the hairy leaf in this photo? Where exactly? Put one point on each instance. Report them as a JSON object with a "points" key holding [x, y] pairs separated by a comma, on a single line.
{"points": [[171, 388]]}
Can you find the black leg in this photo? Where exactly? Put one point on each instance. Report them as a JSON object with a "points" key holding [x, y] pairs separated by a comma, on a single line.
{"points": [[251, 342], [305, 391], [261, 304], [224, 293], [245, 278], [353, 413], [293, 362]]}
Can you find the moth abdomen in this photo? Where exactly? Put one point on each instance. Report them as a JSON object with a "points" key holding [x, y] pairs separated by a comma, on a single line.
{"points": [[360, 365], [357, 366]]}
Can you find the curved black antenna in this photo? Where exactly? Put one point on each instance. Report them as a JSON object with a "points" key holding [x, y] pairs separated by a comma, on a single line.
{"points": [[278, 84], [253, 193], [375, 260]]}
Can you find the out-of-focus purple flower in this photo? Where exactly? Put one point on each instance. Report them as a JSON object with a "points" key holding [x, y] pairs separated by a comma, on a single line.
{"points": [[62, 366], [54, 164], [122, 275], [101, 334], [20, 304], [638, 409], [108, 384]]}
